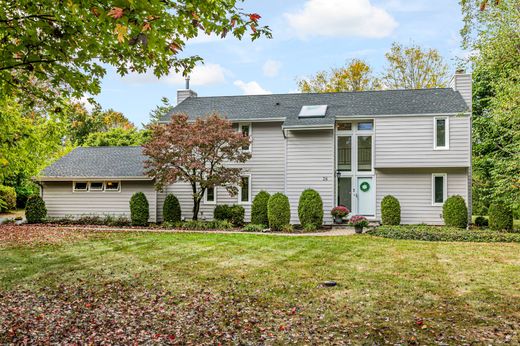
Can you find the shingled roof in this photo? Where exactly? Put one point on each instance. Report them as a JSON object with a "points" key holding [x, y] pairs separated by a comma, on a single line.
{"points": [[98, 162], [288, 106]]}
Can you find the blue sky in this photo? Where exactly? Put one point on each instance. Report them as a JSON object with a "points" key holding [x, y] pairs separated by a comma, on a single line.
{"points": [[308, 36]]}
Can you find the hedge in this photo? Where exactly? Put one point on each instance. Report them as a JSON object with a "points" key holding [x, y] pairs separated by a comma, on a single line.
{"points": [[35, 210], [500, 217], [310, 209], [234, 213], [390, 211], [455, 212], [481, 221], [171, 209], [435, 233], [259, 208], [7, 198], [278, 212], [139, 209]]}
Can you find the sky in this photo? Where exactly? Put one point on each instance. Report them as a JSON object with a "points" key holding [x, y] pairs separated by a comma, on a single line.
{"points": [[308, 36]]}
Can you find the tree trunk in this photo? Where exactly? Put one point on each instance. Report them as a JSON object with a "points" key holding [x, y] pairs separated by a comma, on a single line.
{"points": [[196, 207]]}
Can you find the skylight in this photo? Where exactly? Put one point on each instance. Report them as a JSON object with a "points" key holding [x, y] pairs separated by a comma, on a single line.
{"points": [[313, 111]]}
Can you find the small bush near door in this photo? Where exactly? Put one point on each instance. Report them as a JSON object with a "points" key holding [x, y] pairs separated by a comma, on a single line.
{"points": [[390, 211], [234, 214], [7, 198], [278, 212], [310, 208], [139, 209], [259, 208], [171, 209], [35, 210], [455, 212], [500, 217]]}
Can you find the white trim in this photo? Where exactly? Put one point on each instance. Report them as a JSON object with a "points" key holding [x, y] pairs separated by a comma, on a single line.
{"points": [[214, 196], [374, 116], [249, 189], [446, 134], [74, 178], [444, 188], [308, 127]]}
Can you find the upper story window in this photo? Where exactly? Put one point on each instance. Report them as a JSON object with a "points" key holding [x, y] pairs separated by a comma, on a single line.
{"points": [[112, 186], [344, 126], [439, 188], [80, 186], [441, 133], [245, 128], [365, 126], [96, 186], [345, 153], [210, 196]]}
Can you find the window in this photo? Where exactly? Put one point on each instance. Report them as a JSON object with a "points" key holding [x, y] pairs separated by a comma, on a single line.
{"points": [[112, 186], [365, 126], [342, 126], [345, 153], [246, 131], [364, 153], [210, 195], [245, 189], [439, 188], [80, 186], [441, 133], [96, 186]]}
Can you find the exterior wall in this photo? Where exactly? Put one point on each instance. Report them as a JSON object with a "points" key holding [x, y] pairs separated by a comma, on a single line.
{"points": [[413, 189], [407, 141], [462, 83], [310, 164], [266, 168], [61, 201]]}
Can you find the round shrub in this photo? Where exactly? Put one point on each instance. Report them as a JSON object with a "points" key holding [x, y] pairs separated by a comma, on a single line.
{"points": [[139, 209], [455, 212], [390, 211], [35, 210], [310, 208], [7, 198], [481, 221], [278, 211], [171, 209], [500, 217], [259, 208], [234, 214]]}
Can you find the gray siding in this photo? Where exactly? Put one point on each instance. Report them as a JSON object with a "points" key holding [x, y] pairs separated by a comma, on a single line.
{"points": [[310, 164], [408, 142], [266, 168], [61, 201], [413, 189], [462, 83]]}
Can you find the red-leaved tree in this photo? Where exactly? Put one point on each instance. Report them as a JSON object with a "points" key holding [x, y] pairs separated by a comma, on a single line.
{"points": [[198, 152]]}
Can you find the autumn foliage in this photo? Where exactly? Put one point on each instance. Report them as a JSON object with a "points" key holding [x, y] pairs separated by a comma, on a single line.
{"points": [[199, 152]]}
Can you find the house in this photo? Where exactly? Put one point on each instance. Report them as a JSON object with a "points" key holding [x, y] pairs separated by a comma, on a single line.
{"points": [[352, 147]]}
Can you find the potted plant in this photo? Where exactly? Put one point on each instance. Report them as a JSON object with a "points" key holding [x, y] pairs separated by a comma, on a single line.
{"points": [[358, 222], [339, 213]]}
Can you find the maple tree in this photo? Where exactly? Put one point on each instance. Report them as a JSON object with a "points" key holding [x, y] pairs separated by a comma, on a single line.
{"points": [[200, 152]]}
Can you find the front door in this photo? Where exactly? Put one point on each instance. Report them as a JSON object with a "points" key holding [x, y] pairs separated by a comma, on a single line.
{"points": [[366, 196]]}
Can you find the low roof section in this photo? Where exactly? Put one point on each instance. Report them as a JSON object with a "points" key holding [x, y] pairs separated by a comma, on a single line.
{"points": [[122, 163]]}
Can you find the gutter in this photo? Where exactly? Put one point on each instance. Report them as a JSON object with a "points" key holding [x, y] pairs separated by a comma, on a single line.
{"points": [[67, 178]]}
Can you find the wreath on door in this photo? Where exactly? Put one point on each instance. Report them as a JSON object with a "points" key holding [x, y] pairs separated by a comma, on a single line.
{"points": [[364, 186]]}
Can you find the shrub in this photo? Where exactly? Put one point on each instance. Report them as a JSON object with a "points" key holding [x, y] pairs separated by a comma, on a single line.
{"points": [[139, 209], [310, 208], [254, 228], [171, 209], [481, 221], [199, 225], [310, 227], [287, 228], [500, 217], [259, 208], [23, 192], [7, 198], [278, 211], [455, 212], [390, 211], [233, 214], [35, 210], [120, 220]]}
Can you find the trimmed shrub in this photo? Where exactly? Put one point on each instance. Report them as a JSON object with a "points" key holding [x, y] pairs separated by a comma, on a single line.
{"points": [[35, 210], [390, 211], [278, 211], [254, 228], [259, 208], [500, 217], [139, 209], [171, 209], [481, 221], [455, 212], [7, 198], [234, 213], [310, 208]]}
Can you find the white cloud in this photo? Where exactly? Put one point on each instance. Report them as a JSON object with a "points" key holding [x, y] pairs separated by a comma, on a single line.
{"points": [[208, 74], [341, 18], [251, 88], [271, 68]]}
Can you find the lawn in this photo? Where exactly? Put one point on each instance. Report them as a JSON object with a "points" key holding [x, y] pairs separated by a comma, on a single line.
{"points": [[255, 289]]}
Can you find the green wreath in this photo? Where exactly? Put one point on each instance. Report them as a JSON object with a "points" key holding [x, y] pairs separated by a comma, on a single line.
{"points": [[364, 186]]}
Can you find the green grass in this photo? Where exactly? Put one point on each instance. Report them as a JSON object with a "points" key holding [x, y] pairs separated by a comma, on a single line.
{"points": [[458, 292]]}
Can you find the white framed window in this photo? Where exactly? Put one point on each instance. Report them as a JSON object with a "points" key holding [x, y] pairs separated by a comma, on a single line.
{"points": [[96, 186], [246, 130], [210, 196], [365, 125], [441, 133], [79, 186], [113, 186], [244, 190], [439, 188]]}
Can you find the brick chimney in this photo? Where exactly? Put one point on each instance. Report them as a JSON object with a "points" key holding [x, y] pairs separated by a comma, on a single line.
{"points": [[183, 94], [461, 82]]}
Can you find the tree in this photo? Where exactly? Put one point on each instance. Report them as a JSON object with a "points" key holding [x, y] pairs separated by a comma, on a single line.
{"points": [[356, 75], [161, 111], [118, 137], [414, 68], [200, 153], [66, 45]]}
